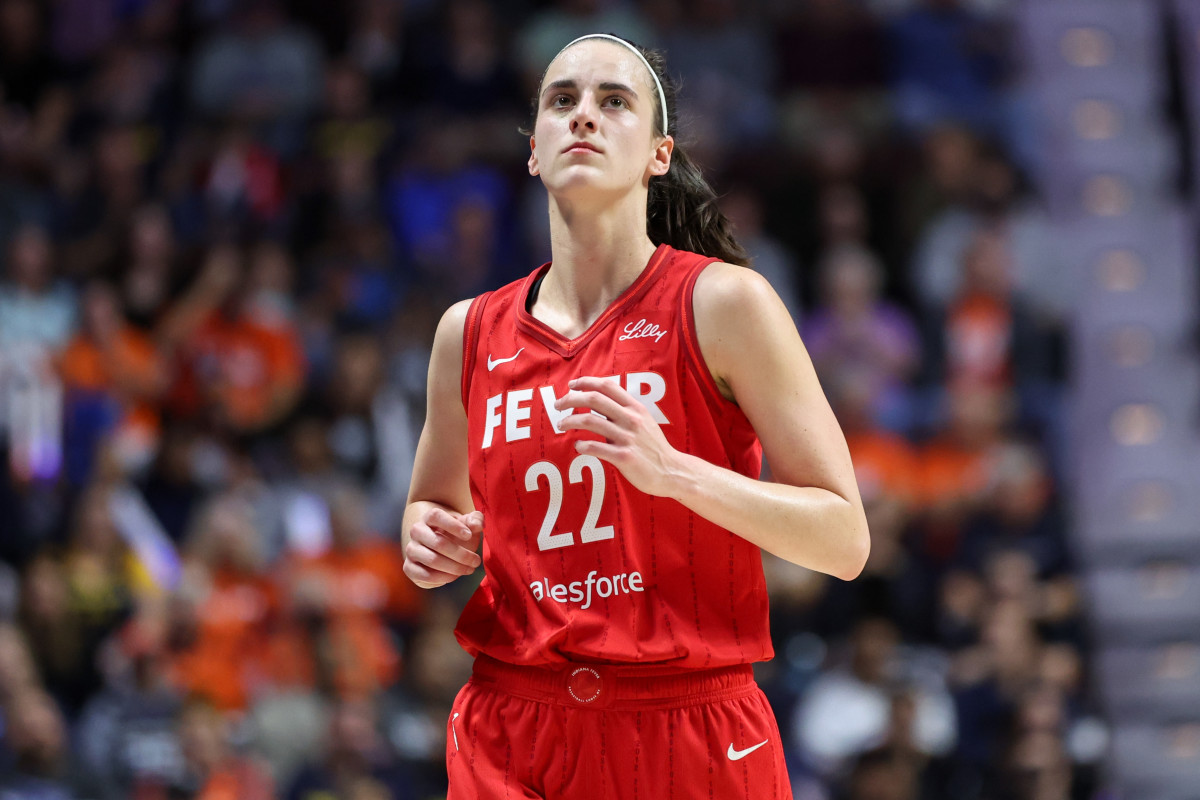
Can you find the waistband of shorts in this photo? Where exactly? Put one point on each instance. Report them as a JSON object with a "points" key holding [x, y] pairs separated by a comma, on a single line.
{"points": [[614, 686]]}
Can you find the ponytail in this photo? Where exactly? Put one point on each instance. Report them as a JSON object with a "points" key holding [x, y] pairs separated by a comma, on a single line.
{"points": [[682, 211]]}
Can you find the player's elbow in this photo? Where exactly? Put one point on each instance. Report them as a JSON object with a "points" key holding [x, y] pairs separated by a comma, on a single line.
{"points": [[857, 552]]}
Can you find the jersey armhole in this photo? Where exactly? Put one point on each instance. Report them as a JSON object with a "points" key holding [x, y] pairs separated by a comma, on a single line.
{"points": [[471, 330], [695, 356]]}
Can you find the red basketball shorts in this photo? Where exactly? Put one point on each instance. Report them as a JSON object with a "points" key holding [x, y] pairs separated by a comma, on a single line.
{"points": [[591, 732]]}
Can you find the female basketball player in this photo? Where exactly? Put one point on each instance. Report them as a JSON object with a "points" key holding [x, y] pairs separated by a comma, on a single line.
{"points": [[598, 425]]}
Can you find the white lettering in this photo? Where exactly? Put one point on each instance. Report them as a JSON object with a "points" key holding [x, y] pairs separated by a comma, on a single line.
{"points": [[591, 578], [513, 409], [553, 414], [648, 388], [583, 592], [493, 419], [642, 330], [516, 413]]}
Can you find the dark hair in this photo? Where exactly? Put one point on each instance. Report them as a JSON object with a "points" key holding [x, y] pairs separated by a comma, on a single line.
{"points": [[681, 209]]}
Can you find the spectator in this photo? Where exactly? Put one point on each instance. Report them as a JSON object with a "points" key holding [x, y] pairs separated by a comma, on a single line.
{"points": [[128, 732], [147, 270], [989, 202], [244, 365], [351, 594], [37, 309], [226, 608], [846, 710], [213, 770], [856, 333], [954, 466], [357, 761], [114, 378]]}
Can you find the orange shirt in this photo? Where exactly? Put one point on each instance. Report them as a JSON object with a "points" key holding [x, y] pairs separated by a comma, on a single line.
{"points": [[241, 364], [949, 473], [884, 463], [979, 340], [361, 585], [367, 578], [132, 366], [233, 625]]}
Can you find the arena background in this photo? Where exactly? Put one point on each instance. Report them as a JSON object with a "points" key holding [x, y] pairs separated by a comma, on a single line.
{"points": [[228, 228]]}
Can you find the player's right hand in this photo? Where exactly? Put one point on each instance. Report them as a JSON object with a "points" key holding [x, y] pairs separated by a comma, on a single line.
{"points": [[442, 546]]}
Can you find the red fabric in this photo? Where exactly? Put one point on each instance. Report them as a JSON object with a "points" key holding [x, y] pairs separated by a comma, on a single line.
{"points": [[531, 736], [667, 587]]}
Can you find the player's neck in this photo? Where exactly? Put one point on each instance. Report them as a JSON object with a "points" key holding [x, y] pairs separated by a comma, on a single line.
{"points": [[595, 258]]}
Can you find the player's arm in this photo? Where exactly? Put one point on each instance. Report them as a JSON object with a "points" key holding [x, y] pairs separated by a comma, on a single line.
{"points": [[812, 515], [441, 531]]}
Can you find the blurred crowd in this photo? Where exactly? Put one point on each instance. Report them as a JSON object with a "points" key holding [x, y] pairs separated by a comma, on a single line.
{"points": [[227, 231]]}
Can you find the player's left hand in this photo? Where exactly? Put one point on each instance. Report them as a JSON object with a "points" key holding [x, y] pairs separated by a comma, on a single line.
{"points": [[633, 441]]}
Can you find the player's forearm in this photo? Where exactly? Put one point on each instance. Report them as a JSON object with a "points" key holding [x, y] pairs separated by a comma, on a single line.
{"points": [[806, 525]]}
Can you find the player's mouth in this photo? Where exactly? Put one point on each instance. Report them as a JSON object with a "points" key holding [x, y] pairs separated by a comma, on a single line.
{"points": [[582, 147]]}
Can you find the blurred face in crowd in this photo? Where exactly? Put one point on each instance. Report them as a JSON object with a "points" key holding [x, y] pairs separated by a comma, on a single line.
{"points": [[202, 738], [978, 412], [352, 732], [874, 645], [150, 236], [101, 311], [851, 277], [950, 153], [228, 537], [843, 214], [595, 129], [29, 259], [987, 266]]}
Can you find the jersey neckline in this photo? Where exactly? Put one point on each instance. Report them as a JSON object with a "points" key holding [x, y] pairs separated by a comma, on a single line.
{"points": [[568, 347]]}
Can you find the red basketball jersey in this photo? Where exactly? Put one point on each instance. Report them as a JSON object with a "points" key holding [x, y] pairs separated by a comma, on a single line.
{"points": [[580, 565]]}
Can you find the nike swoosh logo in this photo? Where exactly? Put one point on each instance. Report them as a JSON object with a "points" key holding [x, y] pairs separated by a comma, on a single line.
{"points": [[493, 364], [738, 755]]}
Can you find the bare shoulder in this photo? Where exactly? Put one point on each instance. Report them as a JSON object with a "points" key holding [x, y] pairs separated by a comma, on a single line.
{"points": [[451, 327], [448, 339], [740, 323], [729, 289]]}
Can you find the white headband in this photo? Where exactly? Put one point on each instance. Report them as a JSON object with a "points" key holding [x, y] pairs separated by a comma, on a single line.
{"points": [[662, 97]]}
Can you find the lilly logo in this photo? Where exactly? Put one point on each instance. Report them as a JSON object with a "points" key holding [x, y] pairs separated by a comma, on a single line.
{"points": [[642, 330]]}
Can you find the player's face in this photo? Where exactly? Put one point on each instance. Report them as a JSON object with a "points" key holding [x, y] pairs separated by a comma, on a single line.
{"points": [[595, 126]]}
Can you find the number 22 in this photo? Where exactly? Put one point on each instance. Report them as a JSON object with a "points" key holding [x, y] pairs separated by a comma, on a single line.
{"points": [[547, 538]]}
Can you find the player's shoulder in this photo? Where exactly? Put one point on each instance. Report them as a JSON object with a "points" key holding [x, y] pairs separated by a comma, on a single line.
{"points": [[454, 320], [727, 291]]}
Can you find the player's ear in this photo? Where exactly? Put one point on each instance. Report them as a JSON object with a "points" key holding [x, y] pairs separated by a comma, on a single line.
{"points": [[533, 162], [661, 158]]}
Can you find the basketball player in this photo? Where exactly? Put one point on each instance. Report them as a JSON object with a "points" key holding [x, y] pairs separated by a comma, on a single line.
{"points": [[598, 426]]}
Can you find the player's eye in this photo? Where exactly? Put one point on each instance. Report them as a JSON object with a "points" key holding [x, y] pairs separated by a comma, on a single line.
{"points": [[560, 101], [617, 102]]}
